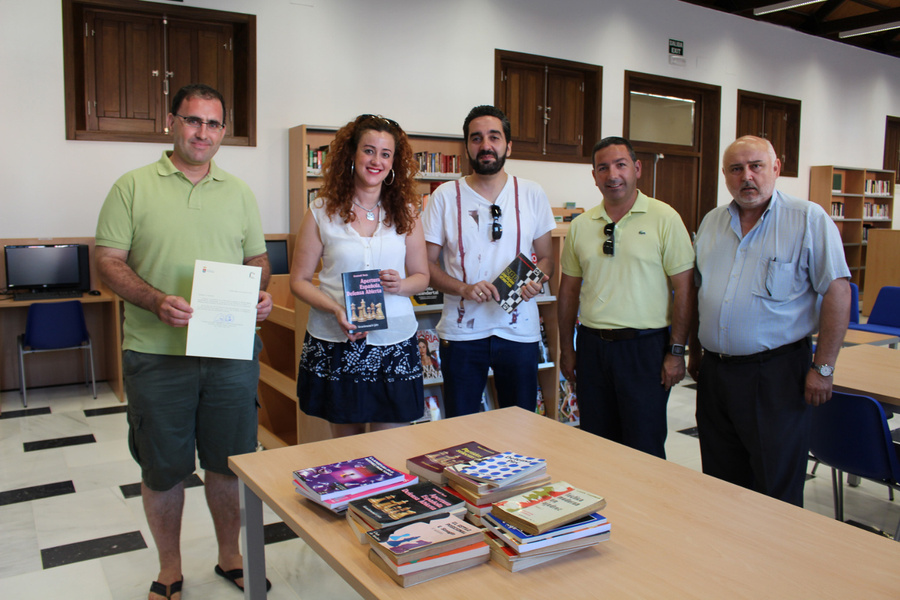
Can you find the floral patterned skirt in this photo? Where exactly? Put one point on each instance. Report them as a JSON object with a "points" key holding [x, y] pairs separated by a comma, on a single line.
{"points": [[354, 382]]}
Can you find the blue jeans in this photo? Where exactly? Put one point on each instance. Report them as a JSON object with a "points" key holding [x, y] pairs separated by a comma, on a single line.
{"points": [[465, 369]]}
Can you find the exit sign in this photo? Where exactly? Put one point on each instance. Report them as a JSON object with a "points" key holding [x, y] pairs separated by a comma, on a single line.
{"points": [[676, 47]]}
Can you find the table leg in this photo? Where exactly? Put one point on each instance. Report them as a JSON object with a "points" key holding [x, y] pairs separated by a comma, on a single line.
{"points": [[252, 544]]}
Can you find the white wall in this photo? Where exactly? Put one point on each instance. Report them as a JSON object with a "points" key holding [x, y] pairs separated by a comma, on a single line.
{"points": [[425, 63]]}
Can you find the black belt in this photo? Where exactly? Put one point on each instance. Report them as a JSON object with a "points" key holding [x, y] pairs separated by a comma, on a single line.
{"points": [[759, 356], [616, 335]]}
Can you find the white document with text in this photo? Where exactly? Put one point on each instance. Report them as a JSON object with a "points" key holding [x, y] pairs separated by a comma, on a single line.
{"points": [[224, 298]]}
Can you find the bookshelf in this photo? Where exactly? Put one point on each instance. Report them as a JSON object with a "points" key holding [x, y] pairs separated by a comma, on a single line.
{"points": [[859, 200]]}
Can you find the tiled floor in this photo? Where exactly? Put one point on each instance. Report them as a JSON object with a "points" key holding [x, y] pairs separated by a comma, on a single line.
{"points": [[72, 524]]}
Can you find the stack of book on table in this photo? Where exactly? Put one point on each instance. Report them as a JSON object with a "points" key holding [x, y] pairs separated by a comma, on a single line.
{"points": [[494, 478], [334, 485], [403, 505], [544, 524], [421, 550]]}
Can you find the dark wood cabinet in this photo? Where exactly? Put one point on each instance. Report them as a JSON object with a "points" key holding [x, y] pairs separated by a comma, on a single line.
{"points": [[553, 105], [125, 59]]}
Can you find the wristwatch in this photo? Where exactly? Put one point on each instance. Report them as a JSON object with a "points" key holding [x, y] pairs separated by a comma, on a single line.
{"points": [[823, 370], [676, 349]]}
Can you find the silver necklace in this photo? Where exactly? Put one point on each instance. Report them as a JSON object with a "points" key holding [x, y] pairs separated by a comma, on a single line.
{"points": [[370, 213]]}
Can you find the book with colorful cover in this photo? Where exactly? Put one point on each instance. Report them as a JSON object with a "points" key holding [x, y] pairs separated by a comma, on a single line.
{"points": [[521, 537], [406, 504], [364, 300], [491, 495], [339, 504], [547, 507], [510, 281], [475, 549], [346, 477], [429, 343], [431, 465], [429, 573], [512, 561], [571, 538], [500, 469], [427, 537]]}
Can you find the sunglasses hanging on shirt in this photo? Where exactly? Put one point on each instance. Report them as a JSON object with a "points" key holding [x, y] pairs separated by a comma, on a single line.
{"points": [[609, 246], [496, 228]]}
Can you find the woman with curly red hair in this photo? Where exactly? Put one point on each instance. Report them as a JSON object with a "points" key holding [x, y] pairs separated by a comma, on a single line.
{"points": [[364, 217]]}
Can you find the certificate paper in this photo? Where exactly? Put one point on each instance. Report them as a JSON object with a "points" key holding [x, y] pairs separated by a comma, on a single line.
{"points": [[224, 298]]}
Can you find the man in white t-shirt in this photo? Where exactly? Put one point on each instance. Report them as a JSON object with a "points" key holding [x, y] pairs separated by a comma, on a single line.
{"points": [[474, 228]]}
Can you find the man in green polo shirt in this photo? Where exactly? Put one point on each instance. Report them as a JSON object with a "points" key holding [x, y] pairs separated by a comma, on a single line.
{"points": [[156, 221], [621, 263]]}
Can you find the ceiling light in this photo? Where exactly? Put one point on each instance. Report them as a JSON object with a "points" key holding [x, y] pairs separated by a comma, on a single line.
{"points": [[764, 10], [870, 29]]}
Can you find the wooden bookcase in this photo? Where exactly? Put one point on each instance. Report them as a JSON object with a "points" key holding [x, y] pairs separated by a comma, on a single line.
{"points": [[858, 200]]}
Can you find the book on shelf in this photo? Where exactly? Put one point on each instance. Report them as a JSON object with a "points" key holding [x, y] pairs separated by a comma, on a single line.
{"points": [[567, 409], [544, 345], [837, 183], [346, 477], [364, 300], [339, 503], [428, 297], [499, 470], [512, 561], [482, 556], [429, 343], [315, 158], [424, 538], [539, 406], [431, 465], [510, 281], [406, 504], [568, 538], [547, 507]]}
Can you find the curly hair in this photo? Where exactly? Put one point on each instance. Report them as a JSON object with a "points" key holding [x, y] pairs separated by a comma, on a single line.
{"points": [[400, 201]]}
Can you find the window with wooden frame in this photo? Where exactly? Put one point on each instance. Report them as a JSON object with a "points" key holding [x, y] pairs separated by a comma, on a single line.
{"points": [[125, 59], [892, 146], [553, 105], [775, 119]]}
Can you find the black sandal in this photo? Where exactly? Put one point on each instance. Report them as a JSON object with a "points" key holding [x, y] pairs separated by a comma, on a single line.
{"points": [[166, 591], [235, 574]]}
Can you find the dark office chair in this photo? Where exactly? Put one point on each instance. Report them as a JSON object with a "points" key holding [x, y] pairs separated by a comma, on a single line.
{"points": [[55, 326], [850, 434]]}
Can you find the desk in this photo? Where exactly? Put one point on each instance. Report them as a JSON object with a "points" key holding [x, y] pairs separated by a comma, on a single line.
{"points": [[103, 318], [102, 314], [871, 371], [854, 337], [676, 533]]}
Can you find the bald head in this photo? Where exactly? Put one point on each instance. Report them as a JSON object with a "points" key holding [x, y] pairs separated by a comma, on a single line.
{"points": [[750, 168]]}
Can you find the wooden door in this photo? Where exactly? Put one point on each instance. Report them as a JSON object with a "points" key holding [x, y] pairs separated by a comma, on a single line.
{"points": [[122, 84], [523, 99], [687, 170], [565, 111]]}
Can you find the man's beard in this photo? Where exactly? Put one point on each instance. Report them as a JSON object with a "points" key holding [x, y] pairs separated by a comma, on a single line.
{"points": [[490, 168]]}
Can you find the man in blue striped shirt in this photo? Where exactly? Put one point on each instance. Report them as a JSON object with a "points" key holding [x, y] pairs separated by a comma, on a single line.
{"points": [[770, 272]]}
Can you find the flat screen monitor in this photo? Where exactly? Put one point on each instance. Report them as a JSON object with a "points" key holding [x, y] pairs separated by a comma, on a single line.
{"points": [[278, 256], [58, 266]]}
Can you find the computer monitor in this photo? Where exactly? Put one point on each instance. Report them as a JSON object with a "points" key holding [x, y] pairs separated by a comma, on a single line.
{"points": [[278, 256], [57, 266]]}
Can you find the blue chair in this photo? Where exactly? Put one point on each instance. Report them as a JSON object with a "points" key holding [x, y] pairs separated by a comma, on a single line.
{"points": [[850, 434], [55, 326], [854, 304], [885, 315]]}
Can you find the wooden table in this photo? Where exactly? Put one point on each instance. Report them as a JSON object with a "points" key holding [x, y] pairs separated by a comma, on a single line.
{"points": [[855, 337], [871, 371], [676, 533]]}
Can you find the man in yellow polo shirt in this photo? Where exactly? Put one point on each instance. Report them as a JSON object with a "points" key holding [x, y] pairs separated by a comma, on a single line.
{"points": [[621, 263]]}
